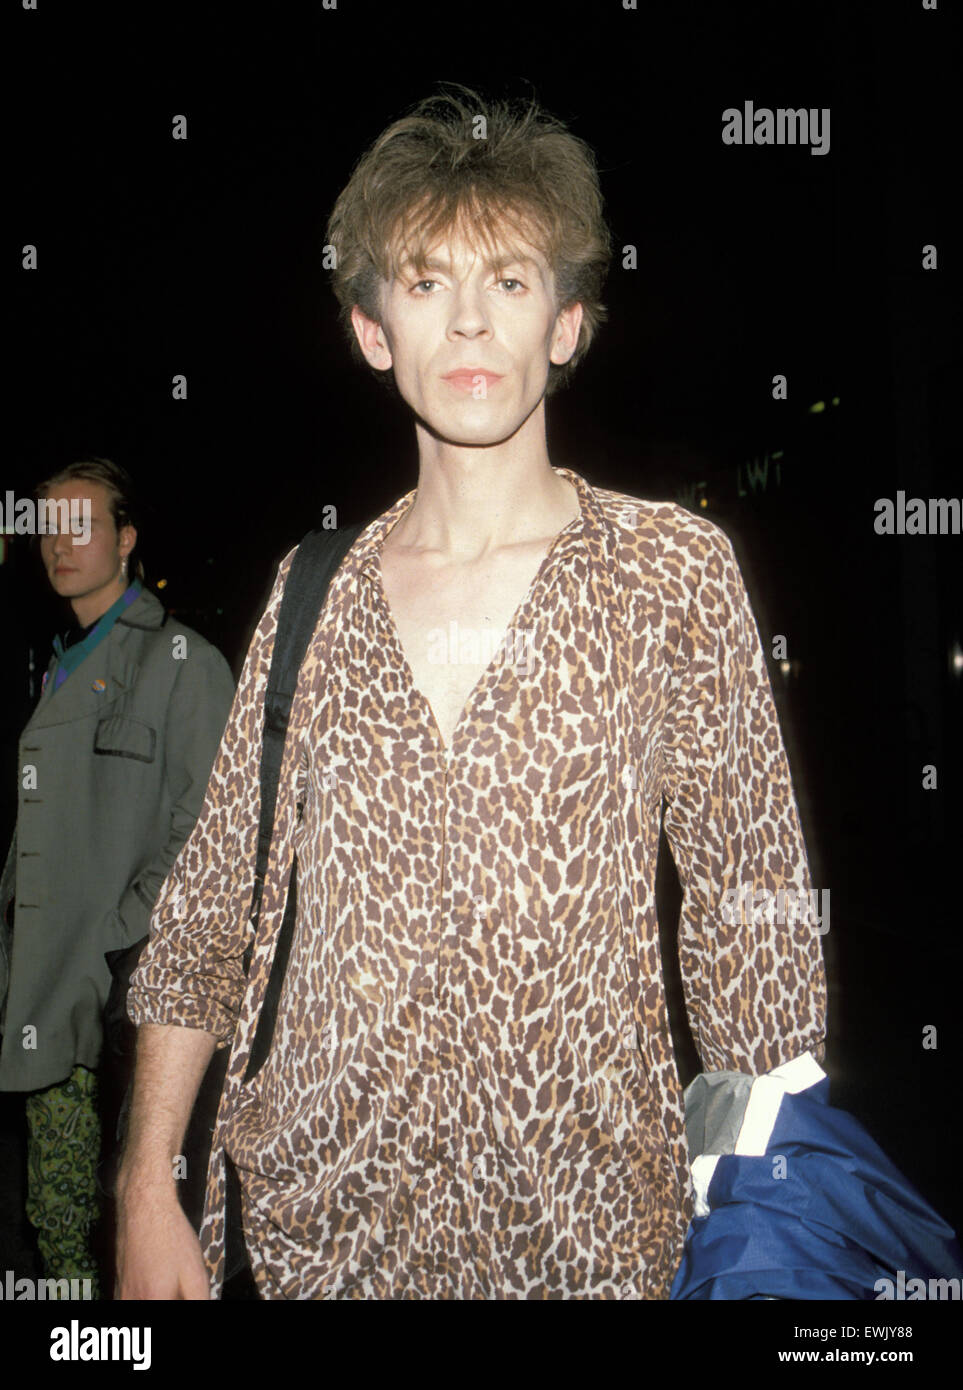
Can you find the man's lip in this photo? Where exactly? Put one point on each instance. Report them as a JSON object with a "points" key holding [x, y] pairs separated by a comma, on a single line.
{"points": [[472, 372], [465, 381], [65, 569]]}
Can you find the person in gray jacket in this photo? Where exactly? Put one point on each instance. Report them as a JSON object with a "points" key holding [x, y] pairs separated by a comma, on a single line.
{"points": [[112, 770]]}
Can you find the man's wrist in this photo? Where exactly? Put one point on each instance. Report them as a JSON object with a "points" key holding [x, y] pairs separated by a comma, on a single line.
{"points": [[146, 1177]]}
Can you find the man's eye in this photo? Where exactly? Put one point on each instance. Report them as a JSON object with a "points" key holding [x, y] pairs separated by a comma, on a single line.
{"points": [[513, 282], [419, 283]]}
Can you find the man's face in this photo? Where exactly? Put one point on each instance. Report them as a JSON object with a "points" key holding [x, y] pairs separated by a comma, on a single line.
{"points": [[76, 570], [496, 330]]}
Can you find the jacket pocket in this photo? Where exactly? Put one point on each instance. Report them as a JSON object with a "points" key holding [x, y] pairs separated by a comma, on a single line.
{"points": [[118, 736]]}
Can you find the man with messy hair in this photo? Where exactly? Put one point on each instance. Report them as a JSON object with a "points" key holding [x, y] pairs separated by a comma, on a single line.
{"points": [[471, 1091]]}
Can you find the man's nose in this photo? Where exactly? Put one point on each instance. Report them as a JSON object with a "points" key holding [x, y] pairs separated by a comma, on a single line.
{"points": [[469, 313]]}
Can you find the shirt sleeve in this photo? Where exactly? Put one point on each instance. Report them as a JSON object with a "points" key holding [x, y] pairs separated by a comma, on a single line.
{"points": [[191, 971], [750, 947]]}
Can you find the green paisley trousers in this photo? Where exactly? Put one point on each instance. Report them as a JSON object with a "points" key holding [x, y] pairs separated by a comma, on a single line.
{"points": [[63, 1147]]}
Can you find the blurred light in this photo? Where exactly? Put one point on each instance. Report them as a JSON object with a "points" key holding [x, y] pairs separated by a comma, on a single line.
{"points": [[162, 583], [776, 455], [703, 501], [956, 659], [785, 667], [835, 400], [817, 408]]}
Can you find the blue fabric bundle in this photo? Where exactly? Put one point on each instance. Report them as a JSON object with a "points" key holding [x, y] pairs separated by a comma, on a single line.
{"points": [[805, 1204]]}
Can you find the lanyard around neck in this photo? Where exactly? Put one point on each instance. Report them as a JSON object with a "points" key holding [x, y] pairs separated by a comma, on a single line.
{"points": [[69, 658]]}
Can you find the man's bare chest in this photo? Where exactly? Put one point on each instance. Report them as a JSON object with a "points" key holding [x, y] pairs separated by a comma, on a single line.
{"points": [[452, 620]]}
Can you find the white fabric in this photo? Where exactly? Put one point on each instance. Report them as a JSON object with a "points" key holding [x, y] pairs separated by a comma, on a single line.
{"points": [[765, 1099]]}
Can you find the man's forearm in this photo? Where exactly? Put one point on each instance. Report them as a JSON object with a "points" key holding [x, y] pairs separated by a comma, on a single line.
{"points": [[171, 1062]]}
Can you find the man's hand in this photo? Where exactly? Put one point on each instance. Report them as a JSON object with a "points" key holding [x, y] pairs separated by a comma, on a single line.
{"points": [[158, 1253]]}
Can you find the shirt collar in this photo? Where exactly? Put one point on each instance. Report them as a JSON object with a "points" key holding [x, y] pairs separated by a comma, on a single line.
{"points": [[572, 538]]}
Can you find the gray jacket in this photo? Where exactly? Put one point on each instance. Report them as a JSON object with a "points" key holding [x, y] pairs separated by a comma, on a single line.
{"points": [[112, 771]]}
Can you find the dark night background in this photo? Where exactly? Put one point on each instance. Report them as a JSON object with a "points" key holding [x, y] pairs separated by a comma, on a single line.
{"points": [[203, 257]]}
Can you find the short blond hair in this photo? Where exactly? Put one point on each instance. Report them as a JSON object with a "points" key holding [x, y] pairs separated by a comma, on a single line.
{"points": [[121, 494], [428, 174]]}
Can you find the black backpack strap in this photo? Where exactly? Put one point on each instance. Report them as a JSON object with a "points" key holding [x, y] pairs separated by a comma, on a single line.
{"points": [[315, 562]]}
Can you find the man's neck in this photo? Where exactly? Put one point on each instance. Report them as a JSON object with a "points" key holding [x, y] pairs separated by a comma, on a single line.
{"points": [[90, 607], [473, 500]]}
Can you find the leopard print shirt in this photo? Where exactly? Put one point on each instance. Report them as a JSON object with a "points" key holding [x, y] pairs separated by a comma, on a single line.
{"points": [[471, 1091]]}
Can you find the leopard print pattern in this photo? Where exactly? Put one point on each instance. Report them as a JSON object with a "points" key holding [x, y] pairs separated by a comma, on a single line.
{"points": [[472, 1091]]}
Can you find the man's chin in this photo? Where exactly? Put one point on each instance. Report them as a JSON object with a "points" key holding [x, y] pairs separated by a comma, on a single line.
{"points": [[471, 434], [65, 586]]}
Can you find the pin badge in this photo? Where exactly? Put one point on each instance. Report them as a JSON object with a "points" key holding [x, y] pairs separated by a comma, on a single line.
{"points": [[100, 685]]}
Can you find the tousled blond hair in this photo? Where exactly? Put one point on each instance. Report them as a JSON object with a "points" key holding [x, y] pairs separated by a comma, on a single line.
{"points": [[428, 175]]}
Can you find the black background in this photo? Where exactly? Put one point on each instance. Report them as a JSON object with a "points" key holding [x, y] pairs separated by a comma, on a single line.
{"points": [[203, 257]]}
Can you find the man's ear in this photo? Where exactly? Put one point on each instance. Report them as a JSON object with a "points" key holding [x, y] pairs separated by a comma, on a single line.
{"points": [[371, 339], [565, 334], [127, 538]]}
